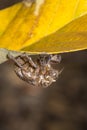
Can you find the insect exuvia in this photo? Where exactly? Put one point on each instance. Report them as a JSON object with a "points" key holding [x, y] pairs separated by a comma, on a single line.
{"points": [[37, 72]]}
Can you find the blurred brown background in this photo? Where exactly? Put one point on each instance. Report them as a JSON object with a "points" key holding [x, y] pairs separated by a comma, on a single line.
{"points": [[62, 106], [7, 3]]}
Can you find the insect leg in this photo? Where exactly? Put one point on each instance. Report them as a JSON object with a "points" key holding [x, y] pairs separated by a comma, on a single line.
{"points": [[29, 60], [28, 79], [9, 56]]}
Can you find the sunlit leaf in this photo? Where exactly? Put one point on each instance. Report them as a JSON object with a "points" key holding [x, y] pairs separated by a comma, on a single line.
{"points": [[6, 16], [21, 26], [72, 37]]}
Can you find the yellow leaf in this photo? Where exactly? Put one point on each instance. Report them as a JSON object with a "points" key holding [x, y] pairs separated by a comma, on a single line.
{"points": [[6, 16], [21, 26], [72, 37]]}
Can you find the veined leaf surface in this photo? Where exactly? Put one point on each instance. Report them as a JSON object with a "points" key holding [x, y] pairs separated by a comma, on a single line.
{"points": [[25, 26], [72, 37]]}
